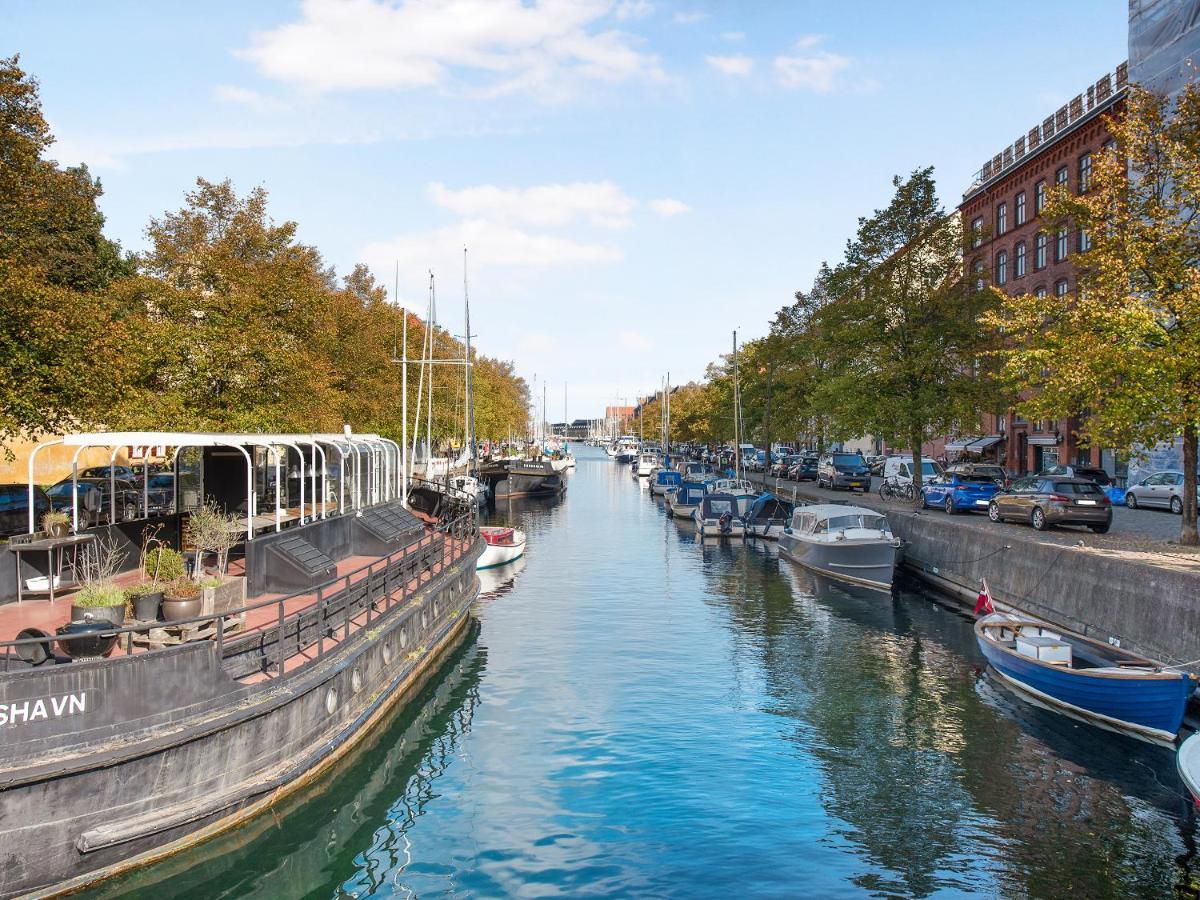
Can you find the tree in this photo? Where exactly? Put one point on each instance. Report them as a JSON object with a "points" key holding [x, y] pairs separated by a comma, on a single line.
{"points": [[900, 334], [1125, 346]]}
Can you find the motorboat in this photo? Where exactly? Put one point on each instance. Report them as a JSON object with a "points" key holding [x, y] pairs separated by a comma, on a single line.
{"points": [[647, 461], [663, 480], [504, 544], [1087, 680], [744, 491], [1187, 761], [717, 516], [850, 543], [767, 517], [685, 499], [627, 449], [471, 487]]}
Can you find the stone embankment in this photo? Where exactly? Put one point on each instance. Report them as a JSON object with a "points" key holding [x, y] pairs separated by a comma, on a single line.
{"points": [[1145, 598]]}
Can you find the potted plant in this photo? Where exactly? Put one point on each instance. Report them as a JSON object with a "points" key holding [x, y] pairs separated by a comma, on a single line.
{"points": [[99, 598], [99, 602], [145, 600], [56, 523], [181, 600], [211, 530], [163, 565]]}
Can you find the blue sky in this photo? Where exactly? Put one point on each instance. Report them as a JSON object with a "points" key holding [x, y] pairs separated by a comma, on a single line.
{"points": [[634, 178]]}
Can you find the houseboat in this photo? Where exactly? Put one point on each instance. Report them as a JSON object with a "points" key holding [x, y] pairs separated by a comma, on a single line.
{"points": [[126, 743]]}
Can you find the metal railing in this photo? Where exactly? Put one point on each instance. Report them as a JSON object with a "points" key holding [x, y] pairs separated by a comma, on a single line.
{"points": [[327, 621], [1099, 94]]}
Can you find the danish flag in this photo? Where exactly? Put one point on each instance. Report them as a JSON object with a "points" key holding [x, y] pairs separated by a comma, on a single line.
{"points": [[983, 603]]}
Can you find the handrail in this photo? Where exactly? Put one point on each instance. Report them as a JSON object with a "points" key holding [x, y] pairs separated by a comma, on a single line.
{"points": [[452, 530]]}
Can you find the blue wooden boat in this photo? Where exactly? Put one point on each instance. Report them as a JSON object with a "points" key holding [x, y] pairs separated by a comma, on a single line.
{"points": [[1085, 679]]}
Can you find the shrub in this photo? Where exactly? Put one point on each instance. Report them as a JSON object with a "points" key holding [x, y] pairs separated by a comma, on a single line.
{"points": [[97, 595], [183, 590], [164, 564], [141, 590], [212, 581], [54, 517]]}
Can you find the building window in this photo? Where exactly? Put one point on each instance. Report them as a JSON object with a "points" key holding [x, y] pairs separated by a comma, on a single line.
{"points": [[1039, 197], [1060, 288], [1019, 260], [1060, 245], [1002, 218], [977, 268], [1085, 172], [1019, 212], [976, 232], [1039, 251], [1040, 291], [1060, 177], [1001, 267], [1085, 241]]}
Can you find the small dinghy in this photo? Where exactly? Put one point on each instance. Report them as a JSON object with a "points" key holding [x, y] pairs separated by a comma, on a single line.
{"points": [[767, 517], [1085, 679], [717, 516], [1187, 761], [504, 544]]}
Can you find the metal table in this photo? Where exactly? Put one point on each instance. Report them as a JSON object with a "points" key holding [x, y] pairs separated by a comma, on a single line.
{"points": [[53, 548]]}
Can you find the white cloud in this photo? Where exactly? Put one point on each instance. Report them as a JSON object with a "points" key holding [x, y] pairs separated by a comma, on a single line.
{"points": [[253, 100], [497, 46], [731, 65], [636, 342], [667, 207], [812, 69], [733, 36], [600, 203], [689, 18], [633, 9]]}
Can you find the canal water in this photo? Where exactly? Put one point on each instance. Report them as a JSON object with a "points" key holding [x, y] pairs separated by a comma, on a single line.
{"points": [[640, 713]]}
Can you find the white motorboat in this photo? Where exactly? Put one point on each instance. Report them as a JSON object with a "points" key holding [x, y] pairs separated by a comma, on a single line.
{"points": [[471, 486], [849, 543], [743, 491], [646, 463], [504, 544], [717, 516]]}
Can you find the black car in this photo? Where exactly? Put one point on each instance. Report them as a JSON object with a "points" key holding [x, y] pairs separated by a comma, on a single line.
{"points": [[843, 470], [95, 506], [14, 508], [121, 473], [1091, 473]]}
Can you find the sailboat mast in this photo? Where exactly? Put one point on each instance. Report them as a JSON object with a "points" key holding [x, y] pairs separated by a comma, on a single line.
{"points": [[737, 414], [472, 462]]}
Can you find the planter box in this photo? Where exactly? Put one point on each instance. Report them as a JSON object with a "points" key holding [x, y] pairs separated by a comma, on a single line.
{"points": [[230, 594]]}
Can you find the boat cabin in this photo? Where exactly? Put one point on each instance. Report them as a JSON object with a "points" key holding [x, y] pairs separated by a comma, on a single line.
{"points": [[841, 522]]}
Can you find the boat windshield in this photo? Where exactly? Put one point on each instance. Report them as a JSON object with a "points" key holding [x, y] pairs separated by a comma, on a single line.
{"points": [[860, 520], [720, 507]]}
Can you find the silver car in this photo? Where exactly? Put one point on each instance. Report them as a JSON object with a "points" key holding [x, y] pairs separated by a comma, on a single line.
{"points": [[1162, 489]]}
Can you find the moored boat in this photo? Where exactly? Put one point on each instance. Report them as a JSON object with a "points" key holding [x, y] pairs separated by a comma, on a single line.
{"points": [[663, 480], [646, 462], [1085, 679], [717, 516], [684, 500], [1187, 761], [504, 544], [767, 517], [850, 543]]}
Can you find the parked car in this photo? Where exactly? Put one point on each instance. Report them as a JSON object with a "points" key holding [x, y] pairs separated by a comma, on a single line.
{"points": [[901, 469], [1162, 489], [121, 473], [14, 508], [783, 462], [1043, 502], [756, 461], [959, 492], [1092, 473], [804, 468], [160, 494], [875, 464], [992, 471], [843, 470], [94, 505]]}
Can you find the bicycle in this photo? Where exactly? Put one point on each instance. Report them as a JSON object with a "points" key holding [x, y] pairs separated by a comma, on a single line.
{"points": [[893, 489]]}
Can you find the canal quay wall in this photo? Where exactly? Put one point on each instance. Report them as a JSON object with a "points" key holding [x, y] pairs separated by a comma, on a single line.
{"points": [[1142, 601]]}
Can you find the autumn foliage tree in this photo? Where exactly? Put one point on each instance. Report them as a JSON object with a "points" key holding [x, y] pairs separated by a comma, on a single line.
{"points": [[1125, 346]]}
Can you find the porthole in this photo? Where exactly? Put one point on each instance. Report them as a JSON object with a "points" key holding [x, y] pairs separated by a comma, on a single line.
{"points": [[356, 681], [403, 638], [331, 701], [424, 618], [387, 654]]}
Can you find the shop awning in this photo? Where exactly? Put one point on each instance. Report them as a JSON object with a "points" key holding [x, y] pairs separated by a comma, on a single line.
{"points": [[958, 444], [984, 443], [1043, 440]]}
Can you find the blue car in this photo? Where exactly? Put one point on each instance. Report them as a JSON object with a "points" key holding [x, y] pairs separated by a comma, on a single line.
{"points": [[958, 492]]}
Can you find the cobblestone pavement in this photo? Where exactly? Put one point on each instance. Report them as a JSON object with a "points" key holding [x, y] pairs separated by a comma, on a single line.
{"points": [[1134, 531]]}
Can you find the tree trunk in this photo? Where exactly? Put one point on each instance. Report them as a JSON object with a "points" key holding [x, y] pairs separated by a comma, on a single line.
{"points": [[917, 470], [1187, 529]]}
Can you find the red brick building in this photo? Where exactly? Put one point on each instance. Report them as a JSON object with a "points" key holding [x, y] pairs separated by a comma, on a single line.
{"points": [[1011, 244]]}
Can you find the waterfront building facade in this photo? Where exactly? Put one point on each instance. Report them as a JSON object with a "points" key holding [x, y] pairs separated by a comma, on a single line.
{"points": [[1010, 243]]}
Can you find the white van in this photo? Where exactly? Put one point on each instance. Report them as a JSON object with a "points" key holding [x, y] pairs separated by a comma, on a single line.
{"points": [[901, 468]]}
